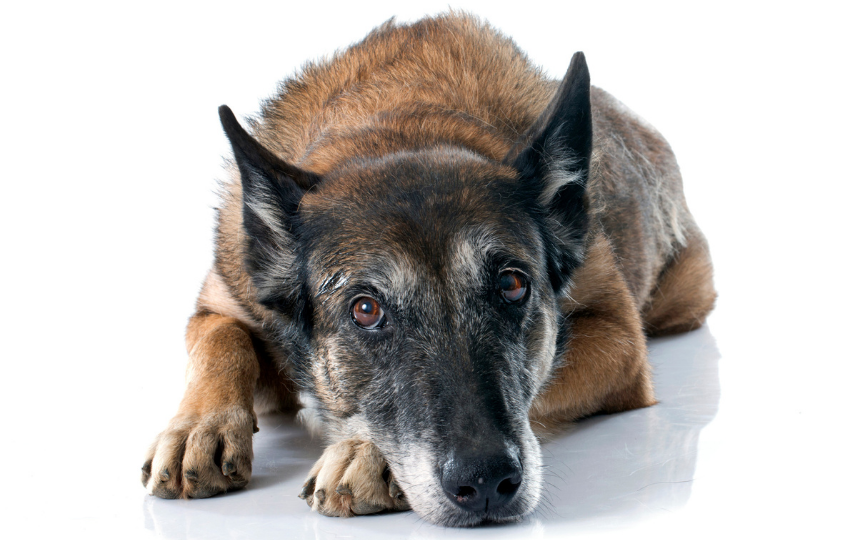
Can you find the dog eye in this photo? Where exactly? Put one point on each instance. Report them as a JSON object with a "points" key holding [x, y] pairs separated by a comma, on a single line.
{"points": [[512, 286], [367, 313]]}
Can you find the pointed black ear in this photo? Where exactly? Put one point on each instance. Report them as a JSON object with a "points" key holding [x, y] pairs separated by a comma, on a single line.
{"points": [[553, 159], [271, 188], [558, 145], [271, 192]]}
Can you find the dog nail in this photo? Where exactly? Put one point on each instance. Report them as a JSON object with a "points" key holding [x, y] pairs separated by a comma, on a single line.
{"points": [[320, 495], [164, 475], [228, 468], [394, 490], [191, 475], [308, 488], [344, 490]]}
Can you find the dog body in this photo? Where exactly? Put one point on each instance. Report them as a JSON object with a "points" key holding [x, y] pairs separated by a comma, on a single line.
{"points": [[432, 248]]}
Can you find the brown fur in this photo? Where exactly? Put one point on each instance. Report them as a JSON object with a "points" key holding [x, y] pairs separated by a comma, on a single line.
{"points": [[683, 296], [446, 82]]}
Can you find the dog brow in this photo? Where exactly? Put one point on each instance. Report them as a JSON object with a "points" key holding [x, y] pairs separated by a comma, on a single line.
{"points": [[333, 283], [393, 273], [473, 247]]}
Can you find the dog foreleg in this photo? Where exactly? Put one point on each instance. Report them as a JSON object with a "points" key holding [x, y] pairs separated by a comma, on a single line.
{"points": [[206, 448]]}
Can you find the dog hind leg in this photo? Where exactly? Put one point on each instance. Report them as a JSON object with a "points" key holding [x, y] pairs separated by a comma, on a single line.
{"points": [[685, 293]]}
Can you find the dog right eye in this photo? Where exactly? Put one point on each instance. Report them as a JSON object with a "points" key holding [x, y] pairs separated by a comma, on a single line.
{"points": [[512, 286], [367, 313]]}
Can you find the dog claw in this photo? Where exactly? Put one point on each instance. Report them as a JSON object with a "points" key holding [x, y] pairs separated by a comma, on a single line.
{"points": [[227, 469], [164, 475], [320, 495], [344, 490], [191, 475], [308, 488], [394, 490], [146, 472]]}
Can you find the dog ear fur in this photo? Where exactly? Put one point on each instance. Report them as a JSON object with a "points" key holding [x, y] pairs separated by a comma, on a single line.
{"points": [[271, 192], [271, 188], [554, 166]]}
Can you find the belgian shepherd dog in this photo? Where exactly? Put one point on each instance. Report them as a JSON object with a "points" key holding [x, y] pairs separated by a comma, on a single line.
{"points": [[434, 252]]}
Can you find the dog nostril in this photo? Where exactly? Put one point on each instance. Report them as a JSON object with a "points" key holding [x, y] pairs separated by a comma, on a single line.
{"points": [[508, 487], [464, 493]]}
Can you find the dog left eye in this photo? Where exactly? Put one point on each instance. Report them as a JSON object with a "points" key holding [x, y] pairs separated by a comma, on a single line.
{"points": [[512, 286], [367, 313]]}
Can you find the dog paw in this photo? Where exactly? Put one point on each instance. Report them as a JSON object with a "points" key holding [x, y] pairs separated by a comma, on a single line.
{"points": [[198, 456], [351, 478]]}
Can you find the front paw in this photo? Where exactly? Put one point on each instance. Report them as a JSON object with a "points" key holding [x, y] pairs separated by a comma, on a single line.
{"points": [[352, 478], [199, 456]]}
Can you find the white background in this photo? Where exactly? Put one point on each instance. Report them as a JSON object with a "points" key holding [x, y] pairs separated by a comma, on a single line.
{"points": [[111, 147]]}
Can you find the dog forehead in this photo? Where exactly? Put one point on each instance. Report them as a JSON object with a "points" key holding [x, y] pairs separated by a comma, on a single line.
{"points": [[409, 221], [430, 180]]}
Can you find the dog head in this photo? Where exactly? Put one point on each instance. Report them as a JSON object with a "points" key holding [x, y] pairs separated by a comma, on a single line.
{"points": [[422, 287]]}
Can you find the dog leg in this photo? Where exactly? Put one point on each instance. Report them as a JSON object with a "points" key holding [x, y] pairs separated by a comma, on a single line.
{"points": [[206, 448], [685, 292], [605, 366], [351, 478]]}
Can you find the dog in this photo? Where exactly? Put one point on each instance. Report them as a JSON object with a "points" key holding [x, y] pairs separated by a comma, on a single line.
{"points": [[433, 252]]}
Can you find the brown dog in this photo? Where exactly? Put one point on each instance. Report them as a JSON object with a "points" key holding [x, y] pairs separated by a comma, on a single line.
{"points": [[432, 248]]}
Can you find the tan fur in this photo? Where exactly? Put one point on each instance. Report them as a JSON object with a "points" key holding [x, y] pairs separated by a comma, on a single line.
{"points": [[215, 298]]}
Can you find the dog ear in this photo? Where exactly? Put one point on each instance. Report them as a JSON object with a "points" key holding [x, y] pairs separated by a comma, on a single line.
{"points": [[271, 188], [271, 192], [553, 159]]}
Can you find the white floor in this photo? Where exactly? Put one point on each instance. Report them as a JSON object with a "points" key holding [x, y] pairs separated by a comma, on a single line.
{"points": [[110, 146]]}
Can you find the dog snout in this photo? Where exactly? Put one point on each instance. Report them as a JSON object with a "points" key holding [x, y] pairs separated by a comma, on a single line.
{"points": [[482, 484]]}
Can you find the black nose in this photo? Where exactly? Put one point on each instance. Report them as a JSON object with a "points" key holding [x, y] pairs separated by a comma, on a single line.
{"points": [[482, 484]]}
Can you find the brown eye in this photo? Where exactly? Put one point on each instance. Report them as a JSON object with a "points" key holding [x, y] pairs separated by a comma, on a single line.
{"points": [[512, 286], [367, 313]]}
